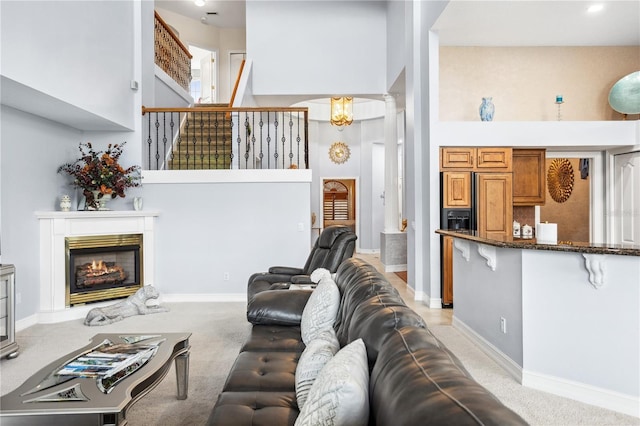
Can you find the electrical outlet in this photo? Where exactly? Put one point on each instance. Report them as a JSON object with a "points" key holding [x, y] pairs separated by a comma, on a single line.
{"points": [[226, 276], [503, 325], [300, 227], [18, 298]]}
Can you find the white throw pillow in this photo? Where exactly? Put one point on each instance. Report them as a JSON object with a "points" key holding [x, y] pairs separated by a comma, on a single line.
{"points": [[318, 274], [321, 309], [340, 394], [314, 357]]}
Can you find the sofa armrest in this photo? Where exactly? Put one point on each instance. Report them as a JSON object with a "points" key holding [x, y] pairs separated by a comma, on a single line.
{"points": [[286, 270], [277, 307], [301, 279]]}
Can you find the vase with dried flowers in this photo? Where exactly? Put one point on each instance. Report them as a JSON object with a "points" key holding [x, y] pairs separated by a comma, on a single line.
{"points": [[100, 176]]}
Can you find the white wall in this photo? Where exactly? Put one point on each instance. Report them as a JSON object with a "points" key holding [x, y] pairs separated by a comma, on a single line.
{"points": [[314, 48], [207, 229], [78, 52], [32, 150]]}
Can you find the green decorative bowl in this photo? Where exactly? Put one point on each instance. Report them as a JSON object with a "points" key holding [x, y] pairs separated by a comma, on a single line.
{"points": [[624, 96]]}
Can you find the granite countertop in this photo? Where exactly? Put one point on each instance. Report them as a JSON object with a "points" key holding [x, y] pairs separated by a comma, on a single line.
{"points": [[531, 244]]}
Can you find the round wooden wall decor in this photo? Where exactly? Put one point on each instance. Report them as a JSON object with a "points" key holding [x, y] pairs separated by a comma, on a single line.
{"points": [[560, 179]]}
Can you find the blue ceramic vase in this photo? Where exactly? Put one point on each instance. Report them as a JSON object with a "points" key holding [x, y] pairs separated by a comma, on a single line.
{"points": [[487, 109]]}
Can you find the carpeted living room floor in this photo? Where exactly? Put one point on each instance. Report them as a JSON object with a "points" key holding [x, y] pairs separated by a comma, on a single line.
{"points": [[218, 332]]}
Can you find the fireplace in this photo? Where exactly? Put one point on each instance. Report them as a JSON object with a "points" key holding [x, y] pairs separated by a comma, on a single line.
{"points": [[102, 267]]}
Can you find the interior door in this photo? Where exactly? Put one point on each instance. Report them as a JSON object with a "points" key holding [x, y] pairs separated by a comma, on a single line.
{"points": [[207, 66], [626, 227], [338, 203]]}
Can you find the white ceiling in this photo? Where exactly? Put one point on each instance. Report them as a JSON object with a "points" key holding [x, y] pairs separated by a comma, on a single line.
{"points": [[487, 23]]}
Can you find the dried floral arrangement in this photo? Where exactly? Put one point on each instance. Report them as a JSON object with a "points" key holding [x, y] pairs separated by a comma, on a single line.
{"points": [[100, 171]]}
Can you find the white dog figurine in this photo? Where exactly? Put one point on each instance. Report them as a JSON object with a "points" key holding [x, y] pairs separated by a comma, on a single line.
{"points": [[136, 304]]}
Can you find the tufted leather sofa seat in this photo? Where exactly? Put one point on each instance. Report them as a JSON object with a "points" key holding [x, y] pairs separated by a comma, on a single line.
{"points": [[414, 378]]}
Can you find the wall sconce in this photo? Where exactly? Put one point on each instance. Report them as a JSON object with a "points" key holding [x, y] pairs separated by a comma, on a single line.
{"points": [[341, 111], [339, 152]]}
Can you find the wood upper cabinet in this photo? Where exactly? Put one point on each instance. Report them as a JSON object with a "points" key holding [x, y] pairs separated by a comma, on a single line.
{"points": [[496, 159], [456, 190], [495, 204], [529, 177], [457, 158]]}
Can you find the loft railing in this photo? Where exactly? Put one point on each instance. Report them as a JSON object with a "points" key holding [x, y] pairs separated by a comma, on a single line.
{"points": [[171, 55], [225, 138]]}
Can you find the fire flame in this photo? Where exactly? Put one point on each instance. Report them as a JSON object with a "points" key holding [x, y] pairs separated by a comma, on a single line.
{"points": [[97, 268]]}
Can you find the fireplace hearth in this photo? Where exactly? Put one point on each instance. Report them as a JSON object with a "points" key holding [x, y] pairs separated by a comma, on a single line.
{"points": [[102, 267]]}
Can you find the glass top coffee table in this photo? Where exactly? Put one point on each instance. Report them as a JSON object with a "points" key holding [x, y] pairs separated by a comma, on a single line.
{"points": [[97, 384]]}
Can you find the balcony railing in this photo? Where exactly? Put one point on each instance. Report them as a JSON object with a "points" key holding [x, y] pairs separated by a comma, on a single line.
{"points": [[206, 137], [171, 55]]}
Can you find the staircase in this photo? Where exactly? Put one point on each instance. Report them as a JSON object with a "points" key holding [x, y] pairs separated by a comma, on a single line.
{"points": [[205, 141]]}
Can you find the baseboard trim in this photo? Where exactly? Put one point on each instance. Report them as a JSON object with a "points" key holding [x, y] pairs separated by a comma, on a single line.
{"points": [[367, 251], [507, 364], [218, 297], [27, 322], [395, 268], [588, 394]]}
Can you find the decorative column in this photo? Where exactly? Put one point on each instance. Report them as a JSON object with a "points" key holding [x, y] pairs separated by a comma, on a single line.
{"points": [[391, 219], [393, 243]]}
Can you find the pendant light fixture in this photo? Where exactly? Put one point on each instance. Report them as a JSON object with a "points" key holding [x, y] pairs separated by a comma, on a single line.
{"points": [[341, 111]]}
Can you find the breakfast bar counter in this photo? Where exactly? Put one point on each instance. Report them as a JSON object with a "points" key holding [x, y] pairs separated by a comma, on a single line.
{"points": [[531, 244], [561, 318]]}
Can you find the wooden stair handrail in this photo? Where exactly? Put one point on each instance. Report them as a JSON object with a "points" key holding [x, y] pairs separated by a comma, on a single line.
{"points": [[226, 109], [235, 87], [173, 34]]}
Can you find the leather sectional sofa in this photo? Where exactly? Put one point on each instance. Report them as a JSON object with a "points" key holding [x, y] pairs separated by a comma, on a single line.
{"points": [[413, 378]]}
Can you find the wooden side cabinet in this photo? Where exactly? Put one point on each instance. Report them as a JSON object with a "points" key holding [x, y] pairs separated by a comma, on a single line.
{"points": [[447, 271], [456, 190], [495, 204], [8, 345], [529, 177]]}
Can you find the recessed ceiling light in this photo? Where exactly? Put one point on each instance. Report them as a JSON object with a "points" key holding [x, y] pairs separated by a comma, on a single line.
{"points": [[594, 8], [199, 3]]}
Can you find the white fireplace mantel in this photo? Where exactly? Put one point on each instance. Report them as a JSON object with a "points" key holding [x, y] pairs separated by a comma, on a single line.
{"points": [[56, 226]]}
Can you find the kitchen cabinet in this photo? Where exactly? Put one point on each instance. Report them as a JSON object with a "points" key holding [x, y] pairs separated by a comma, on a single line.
{"points": [[456, 189], [496, 159], [495, 204], [529, 177]]}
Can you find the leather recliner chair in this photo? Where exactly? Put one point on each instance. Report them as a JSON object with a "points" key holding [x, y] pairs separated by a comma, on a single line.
{"points": [[335, 244]]}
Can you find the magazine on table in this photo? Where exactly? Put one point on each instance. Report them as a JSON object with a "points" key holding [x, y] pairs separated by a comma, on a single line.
{"points": [[108, 359]]}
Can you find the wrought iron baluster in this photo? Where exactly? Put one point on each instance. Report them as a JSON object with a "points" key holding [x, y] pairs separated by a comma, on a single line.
{"points": [[247, 132], [215, 125], [164, 141], [253, 138], [268, 141], [186, 136], [231, 142], [261, 124], [157, 124], [291, 139], [201, 136], [298, 139], [149, 140], [275, 138], [209, 139], [172, 126]]}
